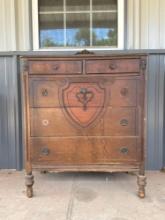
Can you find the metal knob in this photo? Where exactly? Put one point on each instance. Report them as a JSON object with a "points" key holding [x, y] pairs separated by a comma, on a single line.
{"points": [[124, 150], [45, 151], [55, 67], [112, 66], [124, 122], [45, 122], [45, 92], [124, 91]]}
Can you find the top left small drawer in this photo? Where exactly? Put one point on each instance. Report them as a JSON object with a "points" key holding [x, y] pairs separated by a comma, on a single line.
{"points": [[55, 67]]}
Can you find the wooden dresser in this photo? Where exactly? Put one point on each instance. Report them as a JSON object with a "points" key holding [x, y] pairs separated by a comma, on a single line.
{"points": [[84, 113]]}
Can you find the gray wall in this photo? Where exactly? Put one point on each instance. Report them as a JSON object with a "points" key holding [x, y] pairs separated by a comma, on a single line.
{"points": [[155, 111], [10, 147], [10, 115]]}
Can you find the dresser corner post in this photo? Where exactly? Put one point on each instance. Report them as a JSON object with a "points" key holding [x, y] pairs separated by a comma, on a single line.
{"points": [[29, 181]]}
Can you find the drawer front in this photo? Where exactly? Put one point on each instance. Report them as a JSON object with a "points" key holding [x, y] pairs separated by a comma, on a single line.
{"points": [[112, 66], [55, 67], [87, 150], [124, 92], [83, 92], [121, 122], [44, 93], [58, 93], [54, 122]]}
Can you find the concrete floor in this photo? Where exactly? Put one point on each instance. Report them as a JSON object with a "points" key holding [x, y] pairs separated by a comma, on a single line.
{"points": [[81, 196]]}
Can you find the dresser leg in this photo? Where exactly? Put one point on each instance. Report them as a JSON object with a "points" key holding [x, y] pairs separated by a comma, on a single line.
{"points": [[29, 181], [141, 181]]}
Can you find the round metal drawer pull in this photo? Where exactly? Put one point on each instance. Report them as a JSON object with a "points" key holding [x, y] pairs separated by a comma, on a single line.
{"points": [[45, 151], [124, 122], [124, 91], [112, 66], [124, 150], [45, 92], [55, 67], [45, 122]]}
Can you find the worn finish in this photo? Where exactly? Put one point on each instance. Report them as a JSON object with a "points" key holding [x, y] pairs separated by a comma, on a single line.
{"points": [[155, 119], [96, 120]]}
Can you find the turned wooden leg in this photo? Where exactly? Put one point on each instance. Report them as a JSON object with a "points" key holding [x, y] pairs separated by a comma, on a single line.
{"points": [[29, 181], [141, 181]]}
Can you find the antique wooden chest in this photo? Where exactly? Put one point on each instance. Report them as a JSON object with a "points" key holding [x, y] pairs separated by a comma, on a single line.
{"points": [[84, 113]]}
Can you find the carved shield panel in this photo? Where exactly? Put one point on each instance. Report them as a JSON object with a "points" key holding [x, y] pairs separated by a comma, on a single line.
{"points": [[83, 102]]}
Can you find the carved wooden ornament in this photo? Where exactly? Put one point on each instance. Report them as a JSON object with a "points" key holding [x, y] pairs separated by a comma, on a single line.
{"points": [[83, 102]]}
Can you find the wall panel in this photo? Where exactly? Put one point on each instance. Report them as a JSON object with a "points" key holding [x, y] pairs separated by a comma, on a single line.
{"points": [[7, 24], [155, 111], [145, 24], [10, 147]]}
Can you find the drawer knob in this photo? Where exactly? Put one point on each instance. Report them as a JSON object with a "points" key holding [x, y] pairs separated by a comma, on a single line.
{"points": [[112, 66], [124, 150], [124, 122], [124, 91], [45, 151], [45, 122], [55, 67], [45, 92]]}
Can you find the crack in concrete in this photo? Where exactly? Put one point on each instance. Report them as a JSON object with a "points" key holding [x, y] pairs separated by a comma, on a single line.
{"points": [[71, 200]]}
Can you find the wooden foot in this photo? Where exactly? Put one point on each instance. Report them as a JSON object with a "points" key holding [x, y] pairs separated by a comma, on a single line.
{"points": [[29, 181], [141, 180]]}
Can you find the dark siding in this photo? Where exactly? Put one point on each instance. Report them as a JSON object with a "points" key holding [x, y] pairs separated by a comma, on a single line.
{"points": [[10, 112], [9, 128], [155, 111]]}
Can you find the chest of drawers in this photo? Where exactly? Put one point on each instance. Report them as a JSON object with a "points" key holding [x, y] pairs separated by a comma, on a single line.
{"points": [[84, 113]]}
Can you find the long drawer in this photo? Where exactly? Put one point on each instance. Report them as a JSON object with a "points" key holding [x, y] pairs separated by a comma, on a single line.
{"points": [[84, 150], [111, 91], [56, 122]]}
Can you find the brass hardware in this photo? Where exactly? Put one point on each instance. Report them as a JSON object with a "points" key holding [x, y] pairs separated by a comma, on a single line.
{"points": [[84, 52], [45, 122], [124, 122], [45, 151], [112, 66], [124, 150], [84, 96], [45, 92], [55, 67], [124, 91]]}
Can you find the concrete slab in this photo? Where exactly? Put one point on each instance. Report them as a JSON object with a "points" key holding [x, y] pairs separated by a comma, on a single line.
{"points": [[81, 196]]}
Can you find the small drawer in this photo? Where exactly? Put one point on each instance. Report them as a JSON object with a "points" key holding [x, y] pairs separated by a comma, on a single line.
{"points": [[55, 67], [124, 92], [121, 122], [112, 66]]}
